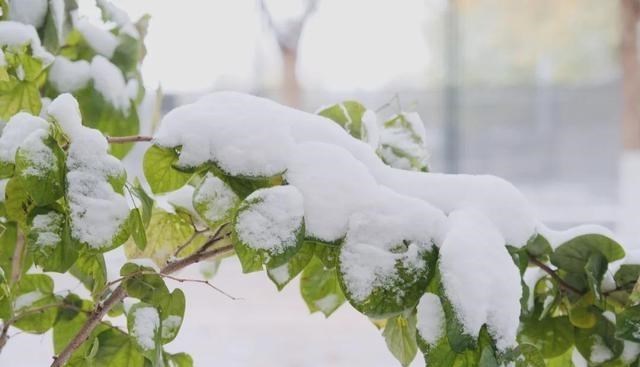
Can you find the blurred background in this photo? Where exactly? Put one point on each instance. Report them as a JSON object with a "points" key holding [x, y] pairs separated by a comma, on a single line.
{"points": [[543, 93], [530, 90]]}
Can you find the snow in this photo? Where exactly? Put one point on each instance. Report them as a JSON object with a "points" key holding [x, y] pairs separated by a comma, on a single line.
{"points": [[216, 197], [31, 12], [66, 112], [272, 219], [26, 300], [46, 227], [16, 34], [407, 134], [430, 318], [630, 351], [170, 326], [348, 192], [482, 282], [57, 8], [280, 274], [3, 188], [115, 14], [599, 351], [69, 76], [327, 303], [101, 40], [370, 256], [577, 359], [109, 82], [97, 211], [17, 130], [41, 158], [531, 277], [371, 130], [145, 326]]}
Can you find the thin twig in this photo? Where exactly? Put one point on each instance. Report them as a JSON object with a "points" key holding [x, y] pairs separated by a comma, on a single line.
{"points": [[128, 139], [201, 281], [554, 275], [118, 295]]}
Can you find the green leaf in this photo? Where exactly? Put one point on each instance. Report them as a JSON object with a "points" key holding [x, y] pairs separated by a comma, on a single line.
{"points": [[34, 291], [401, 145], [17, 96], [144, 284], [442, 355], [49, 241], [158, 165], [8, 240], [552, 336], [91, 270], [172, 315], [138, 232], [214, 201], [532, 356], [128, 54], [327, 253], [538, 246], [243, 186], [601, 336], [627, 276], [283, 274], [100, 114], [254, 244], [563, 360], [347, 114], [117, 349], [70, 319], [595, 268], [398, 292], [582, 313], [147, 202], [18, 202], [320, 288], [574, 254], [400, 336], [179, 360], [143, 323], [628, 324], [165, 233]]}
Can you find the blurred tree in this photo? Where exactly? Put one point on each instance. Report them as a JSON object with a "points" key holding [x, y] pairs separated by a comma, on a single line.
{"points": [[630, 14], [286, 19], [507, 41]]}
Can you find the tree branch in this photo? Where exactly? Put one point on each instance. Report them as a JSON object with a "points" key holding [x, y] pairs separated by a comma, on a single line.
{"points": [[128, 139], [554, 275], [16, 259], [119, 294], [16, 271]]}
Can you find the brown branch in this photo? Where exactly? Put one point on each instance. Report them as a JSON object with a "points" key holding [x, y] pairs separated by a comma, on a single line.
{"points": [[16, 271], [554, 275], [4, 334], [118, 295], [128, 139], [16, 259]]}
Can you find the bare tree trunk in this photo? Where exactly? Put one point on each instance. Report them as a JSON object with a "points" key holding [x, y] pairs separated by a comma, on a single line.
{"points": [[290, 87], [630, 10], [629, 181]]}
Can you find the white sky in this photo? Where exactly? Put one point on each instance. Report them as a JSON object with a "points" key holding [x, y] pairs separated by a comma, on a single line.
{"points": [[195, 45]]}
